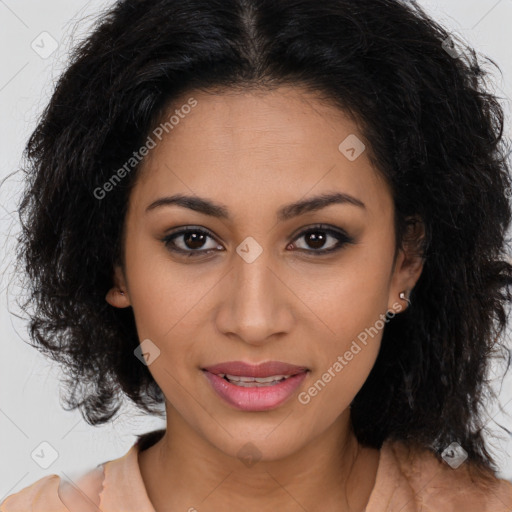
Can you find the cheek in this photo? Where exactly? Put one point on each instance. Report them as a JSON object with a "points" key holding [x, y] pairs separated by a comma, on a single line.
{"points": [[163, 293], [351, 303], [354, 320], [331, 389], [351, 296], [343, 362]]}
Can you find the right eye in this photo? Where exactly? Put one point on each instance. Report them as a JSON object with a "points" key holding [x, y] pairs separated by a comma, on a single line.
{"points": [[189, 242]]}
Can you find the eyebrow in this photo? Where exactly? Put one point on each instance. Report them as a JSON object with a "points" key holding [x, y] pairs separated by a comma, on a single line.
{"points": [[289, 211]]}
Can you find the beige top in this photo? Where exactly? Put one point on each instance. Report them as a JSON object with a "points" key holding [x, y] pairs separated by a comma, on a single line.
{"points": [[406, 481]]}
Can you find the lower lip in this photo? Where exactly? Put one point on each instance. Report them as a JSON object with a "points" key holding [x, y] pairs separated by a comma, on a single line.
{"points": [[256, 398]]}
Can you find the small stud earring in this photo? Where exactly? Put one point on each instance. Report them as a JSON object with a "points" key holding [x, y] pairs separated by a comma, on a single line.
{"points": [[403, 297], [121, 292]]}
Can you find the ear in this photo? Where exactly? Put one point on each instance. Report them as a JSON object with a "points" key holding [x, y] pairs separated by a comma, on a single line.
{"points": [[408, 265], [118, 296]]}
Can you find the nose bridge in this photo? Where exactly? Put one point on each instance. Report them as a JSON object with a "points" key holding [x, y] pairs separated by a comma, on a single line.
{"points": [[257, 302], [254, 283], [254, 280]]}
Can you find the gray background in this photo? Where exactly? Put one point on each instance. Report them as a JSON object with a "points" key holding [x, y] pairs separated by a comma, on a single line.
{"points": [[30, 413]]}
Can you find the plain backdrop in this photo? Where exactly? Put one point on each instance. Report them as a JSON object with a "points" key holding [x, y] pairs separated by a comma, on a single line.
{"points": [[34, 41]]}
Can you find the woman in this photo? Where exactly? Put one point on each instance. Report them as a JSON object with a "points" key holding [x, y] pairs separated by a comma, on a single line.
{"points": [[285, 221]]}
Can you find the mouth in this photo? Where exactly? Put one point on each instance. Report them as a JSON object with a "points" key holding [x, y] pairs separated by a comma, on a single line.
{"points": [[255, 387], [253, 382], [255, 371]]}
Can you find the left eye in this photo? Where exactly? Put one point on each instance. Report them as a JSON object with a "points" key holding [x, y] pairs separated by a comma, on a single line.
{"points": [[193, 241], [316, 237]]}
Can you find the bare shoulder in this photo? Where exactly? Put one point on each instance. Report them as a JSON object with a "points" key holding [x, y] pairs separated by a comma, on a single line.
{"points": [[53, 493], [437, 485], [42, 493], [85, 494]]}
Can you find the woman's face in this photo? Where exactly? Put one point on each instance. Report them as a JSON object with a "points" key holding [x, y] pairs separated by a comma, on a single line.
{"points": [[261, 282]]}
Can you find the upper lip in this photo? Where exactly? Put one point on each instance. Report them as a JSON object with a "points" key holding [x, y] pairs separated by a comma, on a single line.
{"points": [[266, 369]]}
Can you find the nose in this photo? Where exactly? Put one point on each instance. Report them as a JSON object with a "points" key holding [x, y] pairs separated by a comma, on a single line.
{"points": [[257, 303]]}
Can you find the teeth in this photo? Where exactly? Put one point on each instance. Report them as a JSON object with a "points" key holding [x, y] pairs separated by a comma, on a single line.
{"points": [[254, 381], [239, 378], [254, 384]]}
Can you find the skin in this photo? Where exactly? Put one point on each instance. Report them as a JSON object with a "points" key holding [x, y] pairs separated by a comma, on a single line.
{"points": [[254, 152]]}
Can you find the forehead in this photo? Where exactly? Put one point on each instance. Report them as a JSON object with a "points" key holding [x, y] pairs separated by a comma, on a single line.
{"points": [[252, 146]]}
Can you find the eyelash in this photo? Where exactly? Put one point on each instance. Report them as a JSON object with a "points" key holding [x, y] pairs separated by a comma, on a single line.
{"points": [[343, 239]]}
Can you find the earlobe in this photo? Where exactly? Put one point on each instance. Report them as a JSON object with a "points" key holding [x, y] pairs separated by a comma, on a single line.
{"points": [[409, 265], [117, 296]]}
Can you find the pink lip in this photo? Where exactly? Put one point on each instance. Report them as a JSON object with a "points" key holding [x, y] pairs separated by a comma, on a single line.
{"points": [[266, 369], [255, 398]]}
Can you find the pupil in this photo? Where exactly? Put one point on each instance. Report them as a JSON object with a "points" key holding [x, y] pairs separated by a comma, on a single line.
{"points": [[196, 238], [314, 238]]}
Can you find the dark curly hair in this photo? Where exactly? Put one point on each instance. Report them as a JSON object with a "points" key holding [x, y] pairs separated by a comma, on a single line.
{"points": [[434, 132]]}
